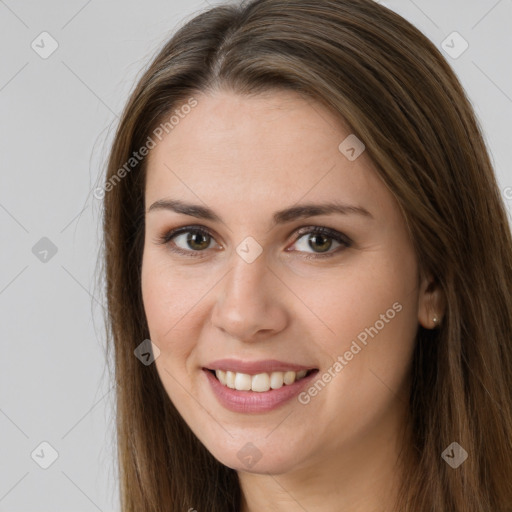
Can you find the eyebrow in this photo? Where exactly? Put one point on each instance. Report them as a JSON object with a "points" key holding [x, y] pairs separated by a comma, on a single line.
{"points": [[280, 217]]}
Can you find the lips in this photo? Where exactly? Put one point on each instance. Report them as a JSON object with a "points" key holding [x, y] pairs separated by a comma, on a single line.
{"points": [[247, 401], [256, 367], [257, 376]]}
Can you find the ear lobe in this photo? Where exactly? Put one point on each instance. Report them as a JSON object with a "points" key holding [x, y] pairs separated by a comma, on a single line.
{"points": [[431, 303]]}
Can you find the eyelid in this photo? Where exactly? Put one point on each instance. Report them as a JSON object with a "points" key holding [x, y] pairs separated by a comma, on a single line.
{"points": [[329, 232], [344, 241]]}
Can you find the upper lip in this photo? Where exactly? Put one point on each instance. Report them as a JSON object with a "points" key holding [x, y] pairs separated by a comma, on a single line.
{"points": [[255, 367]]}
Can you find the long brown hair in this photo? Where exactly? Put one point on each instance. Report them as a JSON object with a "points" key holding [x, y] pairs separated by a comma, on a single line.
{"points": [[397, 93]]}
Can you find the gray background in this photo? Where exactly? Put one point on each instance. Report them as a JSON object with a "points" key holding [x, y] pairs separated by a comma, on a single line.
{"points": [[57, 117]]}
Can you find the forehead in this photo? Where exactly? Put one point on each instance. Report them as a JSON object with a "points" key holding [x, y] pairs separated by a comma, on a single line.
{"points": [[272, 149]]}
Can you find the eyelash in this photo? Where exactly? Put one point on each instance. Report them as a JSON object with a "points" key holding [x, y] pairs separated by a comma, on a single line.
{"points": [[314, 230]]}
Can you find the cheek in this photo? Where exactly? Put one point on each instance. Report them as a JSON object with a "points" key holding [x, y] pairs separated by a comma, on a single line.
{"points": [[163, 311], [374, 316], [371, 312], [172, 300], [378, 291], [166, 296], [167, 321]]}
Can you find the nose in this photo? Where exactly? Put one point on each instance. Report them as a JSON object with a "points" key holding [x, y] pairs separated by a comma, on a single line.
{"points": [[250, 305]]}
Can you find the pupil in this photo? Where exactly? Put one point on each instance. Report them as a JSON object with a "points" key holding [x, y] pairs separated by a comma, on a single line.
{"points": [[315, 237], [191, 238], [204, 244]]}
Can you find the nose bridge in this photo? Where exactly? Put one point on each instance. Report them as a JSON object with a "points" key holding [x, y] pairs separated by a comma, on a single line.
{"points": [[249, 299], [247, 281]]}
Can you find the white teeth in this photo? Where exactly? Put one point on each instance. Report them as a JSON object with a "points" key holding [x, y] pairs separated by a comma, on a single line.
{"points": [[243, 382], [221, 375], [261, 382], [289, 378], [230, 379], [276, 380]]}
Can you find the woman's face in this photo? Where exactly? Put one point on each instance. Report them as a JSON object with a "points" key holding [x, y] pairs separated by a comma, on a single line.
{"points": [[262, 291]]}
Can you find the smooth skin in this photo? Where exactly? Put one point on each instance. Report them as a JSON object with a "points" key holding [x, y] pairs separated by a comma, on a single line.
{"points": [[245, 158]]}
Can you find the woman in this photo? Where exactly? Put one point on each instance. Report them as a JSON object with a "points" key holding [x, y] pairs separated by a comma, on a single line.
{"points": [[302, 217]]}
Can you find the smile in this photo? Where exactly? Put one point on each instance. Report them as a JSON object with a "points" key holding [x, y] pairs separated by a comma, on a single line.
{"points": [[256, 386], [260, 382]]}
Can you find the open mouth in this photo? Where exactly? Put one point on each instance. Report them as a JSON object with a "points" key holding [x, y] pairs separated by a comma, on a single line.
{"points": [[260, 382]]}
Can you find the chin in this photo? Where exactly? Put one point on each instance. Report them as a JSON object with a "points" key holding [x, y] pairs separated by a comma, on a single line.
{"points": [[258, 456]]}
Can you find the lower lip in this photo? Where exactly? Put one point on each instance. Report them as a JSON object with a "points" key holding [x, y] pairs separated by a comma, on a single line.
{"points": [[254, 401]]}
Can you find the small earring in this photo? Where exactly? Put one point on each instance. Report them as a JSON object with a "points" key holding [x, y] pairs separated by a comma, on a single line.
{"points": [[435, 320]]}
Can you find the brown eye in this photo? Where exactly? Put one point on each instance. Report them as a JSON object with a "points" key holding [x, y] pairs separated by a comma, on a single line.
{"points": [[189, 240], [320, 240], [197, 240], [193, 241]]}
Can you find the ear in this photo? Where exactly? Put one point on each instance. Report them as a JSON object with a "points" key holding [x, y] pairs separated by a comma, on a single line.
{"points": [[431, 303]]}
